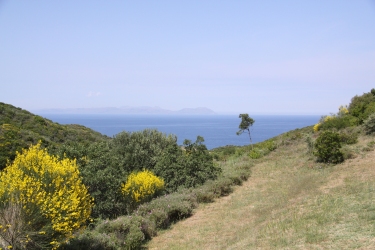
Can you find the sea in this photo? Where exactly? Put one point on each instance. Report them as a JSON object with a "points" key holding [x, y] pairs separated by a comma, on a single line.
{"points": [[217, 130]]}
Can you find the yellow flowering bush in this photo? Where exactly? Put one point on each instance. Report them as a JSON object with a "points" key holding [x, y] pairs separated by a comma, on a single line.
{"points": [[142, 186], [328, 118], [343, 110], [316, 127], [53, 201]]}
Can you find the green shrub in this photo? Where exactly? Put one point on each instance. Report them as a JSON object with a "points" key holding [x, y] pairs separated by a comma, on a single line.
{"points": [[186, 168], [103, 176], [362, 106], [327, 147], [369, 124], [338, 122], [140, 150], [126, 232]]}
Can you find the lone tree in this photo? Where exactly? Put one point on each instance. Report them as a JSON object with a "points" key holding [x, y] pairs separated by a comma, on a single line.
{"points": [[246, 123]]}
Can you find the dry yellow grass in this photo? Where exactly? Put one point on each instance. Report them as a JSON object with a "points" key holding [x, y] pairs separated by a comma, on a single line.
{"points": [[289, 202]]}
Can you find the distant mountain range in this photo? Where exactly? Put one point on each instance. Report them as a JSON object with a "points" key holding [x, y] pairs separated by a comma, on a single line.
{"points": [[128, 110]]}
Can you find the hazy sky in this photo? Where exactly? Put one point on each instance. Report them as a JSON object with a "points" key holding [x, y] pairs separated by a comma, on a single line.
{"points": [[258, 57]]}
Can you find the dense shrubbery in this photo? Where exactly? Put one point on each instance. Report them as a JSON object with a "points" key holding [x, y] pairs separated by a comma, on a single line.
{"points": [[363, 106], [360, 108], [338, 122], [327, 147], [105, 166], [42, 201], [187, 167], [140, 150]]}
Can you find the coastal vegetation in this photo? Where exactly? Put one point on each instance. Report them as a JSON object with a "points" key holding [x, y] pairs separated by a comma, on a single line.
{"points": [[20, 129], [121, 192]]}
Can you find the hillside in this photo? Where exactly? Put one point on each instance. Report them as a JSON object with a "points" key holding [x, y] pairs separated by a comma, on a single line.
{"points": [[310, 188], [20, 128], [289, 202]]}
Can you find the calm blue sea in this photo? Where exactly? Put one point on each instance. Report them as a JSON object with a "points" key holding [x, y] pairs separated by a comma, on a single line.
{"points": [[217, 130]]}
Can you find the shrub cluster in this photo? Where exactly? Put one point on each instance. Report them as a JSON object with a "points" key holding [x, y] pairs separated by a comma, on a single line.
{"points": [[337, 122], [106, 165], [362, 106], [130, 232], [327, 147], [188, 167], [42, 200]]}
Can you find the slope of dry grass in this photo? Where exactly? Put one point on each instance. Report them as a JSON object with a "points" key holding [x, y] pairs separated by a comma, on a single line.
{"points": [[289, 202]]}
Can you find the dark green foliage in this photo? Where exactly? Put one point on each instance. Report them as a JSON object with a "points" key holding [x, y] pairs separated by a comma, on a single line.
{"points": [[186, 168], [20, 128], [100, 171], [369, 124], [339, 122], [362, 106], [327, 148], [105, 166], [141, 150]]}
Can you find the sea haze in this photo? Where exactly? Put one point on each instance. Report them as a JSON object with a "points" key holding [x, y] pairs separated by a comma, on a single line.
{"points": [[217, 130]]}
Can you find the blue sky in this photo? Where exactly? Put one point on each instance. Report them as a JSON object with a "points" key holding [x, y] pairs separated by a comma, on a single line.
{"points": [[258, 57]]}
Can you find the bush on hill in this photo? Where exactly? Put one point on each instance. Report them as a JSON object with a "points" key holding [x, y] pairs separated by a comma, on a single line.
{"points": [[327, 147], [105, 166], [338, 122], [362, 106], [188, 167], [42, 201]]}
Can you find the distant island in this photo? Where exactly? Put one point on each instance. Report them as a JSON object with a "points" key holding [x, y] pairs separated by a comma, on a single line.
{"points": [[129, 110]]}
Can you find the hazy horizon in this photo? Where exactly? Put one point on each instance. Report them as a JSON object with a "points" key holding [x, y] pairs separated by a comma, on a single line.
{"points": [[273, 57]]}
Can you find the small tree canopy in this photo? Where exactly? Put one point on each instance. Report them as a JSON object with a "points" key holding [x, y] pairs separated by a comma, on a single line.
{"points": [[246, 123]]}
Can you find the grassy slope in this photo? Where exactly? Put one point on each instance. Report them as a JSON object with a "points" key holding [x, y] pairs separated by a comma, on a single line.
{"points": [[289, 202]]}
